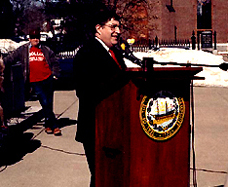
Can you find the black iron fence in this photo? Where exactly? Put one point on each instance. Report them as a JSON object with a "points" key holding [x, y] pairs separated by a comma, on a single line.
{"points": [[175, 43], [68, 54], [146, 45], [202, 40]]}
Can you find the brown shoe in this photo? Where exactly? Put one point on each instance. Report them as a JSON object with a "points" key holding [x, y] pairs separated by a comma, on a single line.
{"points": [[48, 130], [57, 132]]}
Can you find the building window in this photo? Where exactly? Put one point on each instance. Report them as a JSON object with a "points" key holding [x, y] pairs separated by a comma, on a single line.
{"points": [[204, 14]]}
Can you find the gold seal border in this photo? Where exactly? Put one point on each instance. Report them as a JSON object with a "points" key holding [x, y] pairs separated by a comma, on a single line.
{"points": [[151, 132]]}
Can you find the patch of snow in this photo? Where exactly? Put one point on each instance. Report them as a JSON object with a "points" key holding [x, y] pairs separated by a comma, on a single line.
{"points": [[214, 76]]}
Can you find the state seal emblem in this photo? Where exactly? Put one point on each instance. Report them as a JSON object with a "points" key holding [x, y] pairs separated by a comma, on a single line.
{"points": [[162, 115]]}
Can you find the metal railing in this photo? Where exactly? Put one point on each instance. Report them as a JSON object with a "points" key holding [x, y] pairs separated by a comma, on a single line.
{"points": [[146, 45]]}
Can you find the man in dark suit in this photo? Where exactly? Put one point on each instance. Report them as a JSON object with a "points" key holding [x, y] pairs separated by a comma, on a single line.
{"points": [[97, 74]]}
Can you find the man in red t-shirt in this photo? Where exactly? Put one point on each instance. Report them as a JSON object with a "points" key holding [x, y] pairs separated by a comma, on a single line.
{"points": [[41, 79], [40, 67]]}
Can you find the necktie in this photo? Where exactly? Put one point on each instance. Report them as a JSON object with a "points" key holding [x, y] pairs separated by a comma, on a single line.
{"points": [[114, 58]]}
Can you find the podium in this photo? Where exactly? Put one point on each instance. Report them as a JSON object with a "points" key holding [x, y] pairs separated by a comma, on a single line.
{"points": [[142, 131]]}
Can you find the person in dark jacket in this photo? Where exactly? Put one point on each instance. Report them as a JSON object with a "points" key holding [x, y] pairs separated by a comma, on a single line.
{"points": [[40, 66], [99, 71]]}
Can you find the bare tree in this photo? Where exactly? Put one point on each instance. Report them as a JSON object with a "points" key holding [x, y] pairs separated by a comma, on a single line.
{"points": [[28, 14], [6, 19]]}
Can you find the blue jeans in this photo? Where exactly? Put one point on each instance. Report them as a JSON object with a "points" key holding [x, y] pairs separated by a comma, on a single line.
{"points": [[44, 91]]}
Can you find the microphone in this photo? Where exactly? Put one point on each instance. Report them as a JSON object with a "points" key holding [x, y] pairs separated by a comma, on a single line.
{"points": [[124, 47], [223, 66], [128, 54]]}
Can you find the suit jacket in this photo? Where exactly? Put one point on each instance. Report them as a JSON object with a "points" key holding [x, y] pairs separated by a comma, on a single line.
{"points": [[96, 76]]}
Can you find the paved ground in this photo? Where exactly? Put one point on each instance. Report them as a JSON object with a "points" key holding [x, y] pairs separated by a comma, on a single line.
{"points": [[211, 140], [35, 159]]}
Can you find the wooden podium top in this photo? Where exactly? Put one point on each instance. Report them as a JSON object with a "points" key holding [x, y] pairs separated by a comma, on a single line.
{"points": [[169, 72]]}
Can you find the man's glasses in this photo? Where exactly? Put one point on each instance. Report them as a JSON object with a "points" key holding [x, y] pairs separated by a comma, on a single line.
{"points": [[113, 27]]}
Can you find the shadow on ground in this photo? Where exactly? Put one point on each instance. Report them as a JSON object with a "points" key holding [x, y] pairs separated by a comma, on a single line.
{"points": [[15, 142], [15, 146]]}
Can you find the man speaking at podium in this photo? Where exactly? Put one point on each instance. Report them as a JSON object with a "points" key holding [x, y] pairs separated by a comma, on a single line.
{"points": [[99, 70]]}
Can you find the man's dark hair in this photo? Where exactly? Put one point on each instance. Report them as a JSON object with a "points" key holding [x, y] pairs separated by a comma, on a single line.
{"points": [[94, 14], [105, 15]]}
